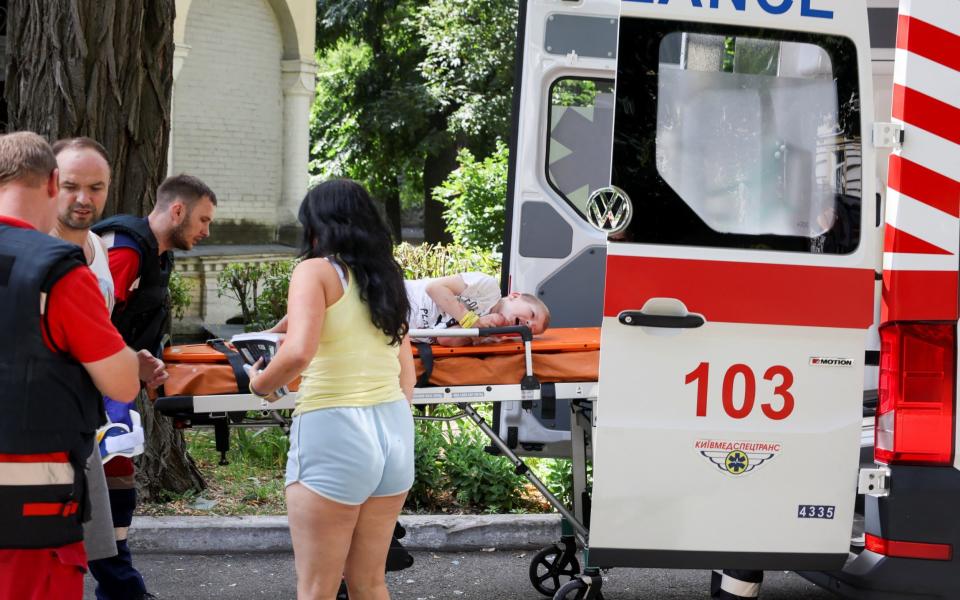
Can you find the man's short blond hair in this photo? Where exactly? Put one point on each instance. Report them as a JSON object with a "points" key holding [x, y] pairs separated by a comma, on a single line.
{"points": [[27, 157], [538, 304]]}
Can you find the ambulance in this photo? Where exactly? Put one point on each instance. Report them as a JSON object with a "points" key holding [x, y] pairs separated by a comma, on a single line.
{"points": [[758, 202]]}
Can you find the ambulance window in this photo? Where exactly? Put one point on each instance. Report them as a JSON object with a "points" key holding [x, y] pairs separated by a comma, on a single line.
{"points": [[581, 131], [750, 140]]}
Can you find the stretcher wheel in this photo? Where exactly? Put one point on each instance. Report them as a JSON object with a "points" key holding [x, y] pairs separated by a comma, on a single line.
{"points": [[549, 565], [576, 589]]}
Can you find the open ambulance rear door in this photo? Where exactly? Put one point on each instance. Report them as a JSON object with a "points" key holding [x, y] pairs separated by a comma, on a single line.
{"points": [[739, 285], [912, 529]]}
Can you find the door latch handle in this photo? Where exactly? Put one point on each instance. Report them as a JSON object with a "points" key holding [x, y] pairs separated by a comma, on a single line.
{"points": [[638, 318]]}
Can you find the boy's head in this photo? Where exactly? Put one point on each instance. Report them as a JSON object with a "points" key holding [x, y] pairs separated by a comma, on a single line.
{"points": [[524, 309]]}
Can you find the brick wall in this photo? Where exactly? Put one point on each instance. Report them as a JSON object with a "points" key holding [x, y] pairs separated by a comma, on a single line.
{"points": [[228, 108]]}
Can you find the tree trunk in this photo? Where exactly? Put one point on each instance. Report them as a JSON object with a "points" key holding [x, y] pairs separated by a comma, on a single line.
{"points": [[104, 69], [391, 202], [436, 168], [165, 466], [99, 68]]}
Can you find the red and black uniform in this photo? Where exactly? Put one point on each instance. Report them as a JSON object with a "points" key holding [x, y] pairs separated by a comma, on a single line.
{"points": [[54, 317], [141, 275]]}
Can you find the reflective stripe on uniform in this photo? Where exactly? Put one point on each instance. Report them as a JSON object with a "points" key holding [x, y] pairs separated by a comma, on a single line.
{"points": [[736, 584], [50, 509], [35, 473]]}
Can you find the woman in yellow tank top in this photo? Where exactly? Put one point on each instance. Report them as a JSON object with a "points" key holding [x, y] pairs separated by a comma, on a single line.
{"points": [[350, 463]]}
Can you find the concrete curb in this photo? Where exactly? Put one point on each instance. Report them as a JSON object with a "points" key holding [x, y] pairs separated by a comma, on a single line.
{"points": [[235, 535]]}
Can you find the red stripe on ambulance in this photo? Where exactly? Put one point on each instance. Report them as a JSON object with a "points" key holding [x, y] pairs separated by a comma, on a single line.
{"points": [[920, 274], [924, 185], [919, 296], [926, 112], [926, 40], [735, 292], [903, 243]]}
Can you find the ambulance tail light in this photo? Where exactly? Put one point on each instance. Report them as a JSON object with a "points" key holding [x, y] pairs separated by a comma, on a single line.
{"points": [[915, 414], [908, 549]]}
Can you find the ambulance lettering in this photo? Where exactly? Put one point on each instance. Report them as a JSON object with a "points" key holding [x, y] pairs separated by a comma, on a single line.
{"points": [[823, 361], [737, 457], [737, 408], [773, 7]]}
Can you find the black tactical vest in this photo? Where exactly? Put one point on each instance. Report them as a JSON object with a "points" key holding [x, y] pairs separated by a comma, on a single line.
{"points": [[144, 319], [48, 402]]}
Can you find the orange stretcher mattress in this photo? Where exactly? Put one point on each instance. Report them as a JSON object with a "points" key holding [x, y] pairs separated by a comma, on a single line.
{"points": [[571, 354]]}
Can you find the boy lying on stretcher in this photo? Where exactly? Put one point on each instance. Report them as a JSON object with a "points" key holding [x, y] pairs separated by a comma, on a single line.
{"points": [[470, 300]]}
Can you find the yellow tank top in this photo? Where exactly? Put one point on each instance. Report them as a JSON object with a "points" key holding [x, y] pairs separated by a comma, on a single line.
{"points": [[355, 364]]}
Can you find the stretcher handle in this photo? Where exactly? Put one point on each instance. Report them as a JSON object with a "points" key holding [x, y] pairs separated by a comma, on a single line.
{"points": [[522, 330], [638, 318]]}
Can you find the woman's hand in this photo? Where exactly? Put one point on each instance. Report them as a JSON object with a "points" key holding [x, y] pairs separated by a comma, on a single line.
{"points": [[253, 372]]}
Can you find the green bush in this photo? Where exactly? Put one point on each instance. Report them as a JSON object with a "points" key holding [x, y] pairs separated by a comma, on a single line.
{"points": [[557, 475], [475, 196], [264, 448], [180, 288], [480, 480], [260, 289], [271, 305], [429, 481], [427, 260]]}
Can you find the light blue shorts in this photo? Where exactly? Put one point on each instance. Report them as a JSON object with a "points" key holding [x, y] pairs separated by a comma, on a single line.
{"points": [[350, 454]]}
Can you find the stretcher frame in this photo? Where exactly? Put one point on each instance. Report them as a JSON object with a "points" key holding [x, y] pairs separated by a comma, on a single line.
{"points": [[581, 396]]}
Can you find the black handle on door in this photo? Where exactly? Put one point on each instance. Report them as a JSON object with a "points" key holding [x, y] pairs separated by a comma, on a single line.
{"points": [[638, 318]]}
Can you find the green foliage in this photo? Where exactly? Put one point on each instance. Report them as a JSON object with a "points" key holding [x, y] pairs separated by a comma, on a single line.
{"points": [[468, 66], [399, 82], [429, 478], [454, 471], [428, 260], [576, 92], [557, 475], [481, 480], [180, 288], [372, 116], [474, 196], [260, 289], [272, 303], [265, 448]]}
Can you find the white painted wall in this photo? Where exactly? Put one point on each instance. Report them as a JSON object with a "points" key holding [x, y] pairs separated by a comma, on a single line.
{"points": [[228, 107]]}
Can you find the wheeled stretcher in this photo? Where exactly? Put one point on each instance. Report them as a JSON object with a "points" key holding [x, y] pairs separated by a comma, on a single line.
{"points": [[543, 392], [207, 384]]}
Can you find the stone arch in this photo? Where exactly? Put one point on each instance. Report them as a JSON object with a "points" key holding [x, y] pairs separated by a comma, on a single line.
{"points": [[292, 44], [288, 29]]}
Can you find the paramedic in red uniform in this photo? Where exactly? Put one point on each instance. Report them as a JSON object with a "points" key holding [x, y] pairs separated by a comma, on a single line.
{"points": [[62, 353], [141, 261]]}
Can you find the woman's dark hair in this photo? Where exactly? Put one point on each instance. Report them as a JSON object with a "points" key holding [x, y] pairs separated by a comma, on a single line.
{"points": [[340, 220]]}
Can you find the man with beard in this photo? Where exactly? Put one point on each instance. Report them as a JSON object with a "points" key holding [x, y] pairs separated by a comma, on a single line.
{"points": [[84, 179], [141, 261]]}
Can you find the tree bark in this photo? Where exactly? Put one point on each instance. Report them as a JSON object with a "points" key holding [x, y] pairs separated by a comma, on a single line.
{"points": [[165, 466], [99, 68], [391, 204], [436, 168], [104, 69]]}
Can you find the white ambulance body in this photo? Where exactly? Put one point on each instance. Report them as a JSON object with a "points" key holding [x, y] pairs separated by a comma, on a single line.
{"points": [[728, 148]]}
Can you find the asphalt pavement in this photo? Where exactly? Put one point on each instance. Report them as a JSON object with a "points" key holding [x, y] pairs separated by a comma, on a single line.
{"points": [[497, 575]]}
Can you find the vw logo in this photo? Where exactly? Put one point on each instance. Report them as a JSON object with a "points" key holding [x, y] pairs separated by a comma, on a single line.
{"points": [[609, 209]]}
